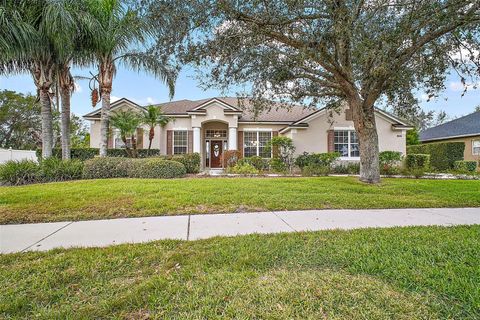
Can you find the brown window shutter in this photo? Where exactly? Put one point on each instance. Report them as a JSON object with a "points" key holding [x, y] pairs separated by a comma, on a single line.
{"points": [[330, 138], [110, 139], [240, 143], [190, 141], [348, 115], [275, 149], [139, 138], [169, 142]]}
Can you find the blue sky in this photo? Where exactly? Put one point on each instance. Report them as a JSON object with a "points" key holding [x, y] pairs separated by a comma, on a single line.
{"points": [[145, 89]]}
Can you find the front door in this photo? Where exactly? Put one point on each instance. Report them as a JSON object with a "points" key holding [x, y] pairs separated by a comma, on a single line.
{"points": [[216, 154]]}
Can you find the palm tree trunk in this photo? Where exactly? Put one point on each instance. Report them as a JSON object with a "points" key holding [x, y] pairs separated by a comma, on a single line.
{"points": [[151, 134], [43, 74], [47, 123], [106, 72], [66, 86]]}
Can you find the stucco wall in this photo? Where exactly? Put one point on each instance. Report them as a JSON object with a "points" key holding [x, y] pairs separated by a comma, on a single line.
{"points": [[95, 134], [314, 138]]}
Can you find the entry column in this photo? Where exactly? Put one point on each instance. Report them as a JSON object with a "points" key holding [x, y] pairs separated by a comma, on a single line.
{"points": [[196, 140], [232, 138]]}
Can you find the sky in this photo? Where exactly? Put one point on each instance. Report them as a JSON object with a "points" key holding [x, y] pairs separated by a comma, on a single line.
{"points": [[144, 89]]}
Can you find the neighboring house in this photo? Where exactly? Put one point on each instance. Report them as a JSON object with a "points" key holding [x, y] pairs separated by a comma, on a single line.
{"points": [[465, 129], [211, 126]]}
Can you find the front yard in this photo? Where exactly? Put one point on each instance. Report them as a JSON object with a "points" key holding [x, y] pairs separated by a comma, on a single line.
{"points": [[111, 198], [402, 273]]}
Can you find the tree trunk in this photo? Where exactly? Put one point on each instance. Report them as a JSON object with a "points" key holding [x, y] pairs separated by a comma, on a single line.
{"points": [[47, 123], [365, 126], [134, 146], [151, 134], [104, 122], [105, 78], [66, 86]]}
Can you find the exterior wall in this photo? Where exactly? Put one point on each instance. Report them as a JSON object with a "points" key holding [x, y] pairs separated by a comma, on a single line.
{"points": [[314, 138], [468, 153], [17, 155], [95, 134]]}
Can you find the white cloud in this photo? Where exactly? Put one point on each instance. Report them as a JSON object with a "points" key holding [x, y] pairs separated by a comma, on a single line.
{"points": [[458, 86]]}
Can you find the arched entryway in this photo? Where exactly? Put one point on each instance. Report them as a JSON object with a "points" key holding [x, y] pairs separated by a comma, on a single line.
{"points": [[215, 143]]}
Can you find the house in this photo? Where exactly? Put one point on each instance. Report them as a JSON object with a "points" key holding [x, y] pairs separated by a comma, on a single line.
{"points": [[465, 129], [211, 126]]}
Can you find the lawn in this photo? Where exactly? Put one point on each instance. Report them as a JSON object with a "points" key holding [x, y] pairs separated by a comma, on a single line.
{"points": [[401, 273], [110, 198]]}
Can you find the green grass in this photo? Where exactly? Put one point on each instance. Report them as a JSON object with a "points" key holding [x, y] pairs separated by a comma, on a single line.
{"points": [[401, 273], [110, 198]]}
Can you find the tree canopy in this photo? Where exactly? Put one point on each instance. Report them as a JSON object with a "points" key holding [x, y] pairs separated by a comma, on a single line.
{"points": [[325, 52]]}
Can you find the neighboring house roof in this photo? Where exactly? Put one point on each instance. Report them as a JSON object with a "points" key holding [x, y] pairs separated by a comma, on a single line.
{"points": [[466, 126], [294, 116]]}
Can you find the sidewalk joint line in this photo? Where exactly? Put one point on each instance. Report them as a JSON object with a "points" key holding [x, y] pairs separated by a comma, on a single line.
{"points": [[188, 227], [49, 235], [284, 221]]}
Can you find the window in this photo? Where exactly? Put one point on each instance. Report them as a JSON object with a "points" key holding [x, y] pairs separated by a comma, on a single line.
{"points": [[255, 144], [346, 143], [476, 147], [216, 134], [180, 142]]}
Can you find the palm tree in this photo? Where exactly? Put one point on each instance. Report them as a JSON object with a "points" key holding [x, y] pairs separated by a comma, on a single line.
{"points": [[127, 123], [153, 117], [120, 29], [40, 31]]}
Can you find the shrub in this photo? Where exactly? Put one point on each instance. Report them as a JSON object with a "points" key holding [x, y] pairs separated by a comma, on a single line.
{"points": [[106, 167], [89, 153], [278, 166], [257, 162], [230, 158], [284, 150], [191, 161], [389, 162], [156, 168], [414, 161], [464, 166], [19, 172], [417, 164], [346, 168], [53, 169], [442, 155], [315, 170], [243, 168], [322, 159]]}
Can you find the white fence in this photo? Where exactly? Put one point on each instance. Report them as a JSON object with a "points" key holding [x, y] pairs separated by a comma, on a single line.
{"points": [[9, 154]]}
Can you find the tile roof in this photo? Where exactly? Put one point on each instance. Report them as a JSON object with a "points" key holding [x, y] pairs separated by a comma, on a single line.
{"points": [[465, 126]]}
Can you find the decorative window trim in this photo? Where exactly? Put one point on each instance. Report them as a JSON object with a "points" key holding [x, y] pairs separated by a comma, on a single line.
{"points": [[181, 146], [476, 141], [257, 142], [349, 142], [258, 129]]}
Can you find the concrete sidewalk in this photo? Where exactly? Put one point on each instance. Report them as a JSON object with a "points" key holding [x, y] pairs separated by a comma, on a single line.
{"points": [[98, 233]]}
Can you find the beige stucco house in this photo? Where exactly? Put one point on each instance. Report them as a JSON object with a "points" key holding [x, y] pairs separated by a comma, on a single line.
{"points": [[211, 126]]}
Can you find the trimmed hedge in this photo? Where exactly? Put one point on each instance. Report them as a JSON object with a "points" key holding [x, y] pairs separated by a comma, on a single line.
{"points": [[465, 166], [119, 167], [107, 167], [156, 168], [417, 161], [442, 155], [89, 153], [191, 161], [317, 159]]}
